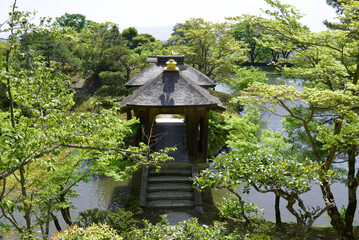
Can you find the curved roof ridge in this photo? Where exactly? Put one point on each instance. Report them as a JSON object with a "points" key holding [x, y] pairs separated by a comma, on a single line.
{"points": [[206, 80], [138, 91], [204, 92]]}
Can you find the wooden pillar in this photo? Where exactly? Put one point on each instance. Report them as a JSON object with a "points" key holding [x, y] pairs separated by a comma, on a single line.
{"points": [[205, 134], [139, 115], [195, 134], [191, 137], [129, 115]]}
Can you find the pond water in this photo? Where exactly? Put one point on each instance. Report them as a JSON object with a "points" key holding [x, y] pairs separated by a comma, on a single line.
{"points": [[312, 198]]}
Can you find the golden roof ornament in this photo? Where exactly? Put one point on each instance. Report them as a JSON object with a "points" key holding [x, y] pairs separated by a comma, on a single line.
{"points": [[171, 66]]}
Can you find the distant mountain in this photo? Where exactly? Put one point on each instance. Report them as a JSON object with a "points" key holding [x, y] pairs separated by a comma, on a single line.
{"points": [[160, 33]]}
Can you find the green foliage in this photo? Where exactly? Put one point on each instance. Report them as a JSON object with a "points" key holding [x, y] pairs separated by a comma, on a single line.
{"points": [[217, 133], [100, 232], [322, 119], [233, 131], [3, 49], [43, 143], [142, 39], [113, 84], [111, 78], [151, 48], [120, 220], [243, 131], [91, 216], [250, 34], [209, 47], [96, 38], [261, 160], [47, 46], [77, 21], [129, 33], [123, 60], [244, 77], [190, 229], [231, 207]]}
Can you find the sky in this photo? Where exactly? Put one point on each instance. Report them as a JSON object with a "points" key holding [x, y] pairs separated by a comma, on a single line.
{"points": [[160, 16]]}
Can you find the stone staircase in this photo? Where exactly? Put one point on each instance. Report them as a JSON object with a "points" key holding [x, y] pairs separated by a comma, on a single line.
{"points": [[169, 188]]}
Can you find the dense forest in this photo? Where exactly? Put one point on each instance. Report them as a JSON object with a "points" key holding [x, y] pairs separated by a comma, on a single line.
{"points": [[62, 81]]}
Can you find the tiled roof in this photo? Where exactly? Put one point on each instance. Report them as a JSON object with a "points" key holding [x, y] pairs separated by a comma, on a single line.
{"points": [[171, 89], [185, 70]]}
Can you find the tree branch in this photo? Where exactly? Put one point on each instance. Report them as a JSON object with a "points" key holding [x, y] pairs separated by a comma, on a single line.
{"points": [[69, 145], [26, 161]]}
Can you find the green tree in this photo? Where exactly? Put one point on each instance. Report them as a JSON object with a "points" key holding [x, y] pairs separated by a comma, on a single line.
{"points": [[95, 39], [209, 47], [129, 33], [142, 39], [248, 34], [48, 46], [266, 164], [39, 135], [243, 77], [77, 21], [261, 45], [122, 63], [152, 48], [327, 121]]}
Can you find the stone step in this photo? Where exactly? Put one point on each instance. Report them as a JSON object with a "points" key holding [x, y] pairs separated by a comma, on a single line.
{"points": [[169, 179], [156, 187], [169, 195], [170, 172], [175, 164], [170, 203]]}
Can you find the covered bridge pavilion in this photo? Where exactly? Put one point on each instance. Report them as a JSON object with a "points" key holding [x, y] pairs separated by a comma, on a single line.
{"points": [[170, 86]]}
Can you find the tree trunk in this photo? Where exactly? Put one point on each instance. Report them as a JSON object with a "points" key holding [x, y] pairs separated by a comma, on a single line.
{"points": [[47, 223], [27, 206], [278, 220], [335, 218], [56, 222], [65, 212], [352, 198], [294, 233], [8, 82]]}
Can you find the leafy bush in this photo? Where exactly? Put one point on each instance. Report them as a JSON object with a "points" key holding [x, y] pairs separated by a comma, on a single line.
{"points": [[98, 232], [217, 133], [107, 90], [91, 216], [119, 219], [231, 208], [113, 84], [190, 229]]}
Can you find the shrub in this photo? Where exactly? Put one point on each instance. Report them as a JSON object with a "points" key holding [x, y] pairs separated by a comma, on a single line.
{"points": [[98, 232], [120, 220], [190, 229]]}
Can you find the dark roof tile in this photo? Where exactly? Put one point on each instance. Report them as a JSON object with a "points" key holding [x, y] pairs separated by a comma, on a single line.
{"points": [[171, 89], [153, 71]]}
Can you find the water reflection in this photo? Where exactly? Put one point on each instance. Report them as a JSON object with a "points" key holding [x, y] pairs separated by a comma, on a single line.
{"points": [[101, 192]]}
